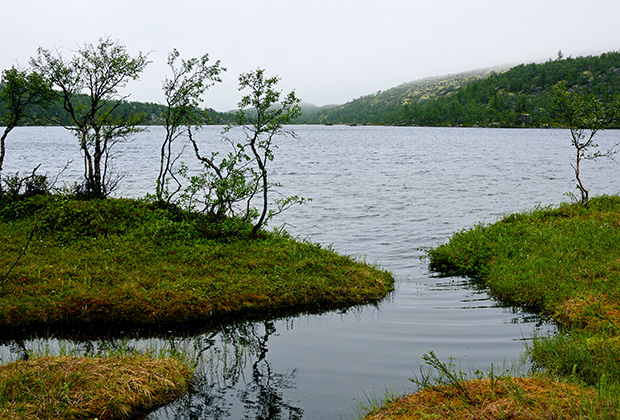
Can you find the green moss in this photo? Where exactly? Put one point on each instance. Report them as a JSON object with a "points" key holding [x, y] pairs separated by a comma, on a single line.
{"points": [[128, 262]]}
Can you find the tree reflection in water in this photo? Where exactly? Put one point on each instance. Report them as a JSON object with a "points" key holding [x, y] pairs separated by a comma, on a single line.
{"points": [[233, 365], [268, 403], [233, 377]]}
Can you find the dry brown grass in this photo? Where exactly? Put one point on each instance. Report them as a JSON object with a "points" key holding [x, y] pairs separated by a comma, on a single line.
{"points": [[506, 398], [590, 312], [80, 388]]}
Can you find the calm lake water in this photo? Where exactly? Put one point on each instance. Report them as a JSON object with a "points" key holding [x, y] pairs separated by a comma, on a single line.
{"points": [[381, 194]]}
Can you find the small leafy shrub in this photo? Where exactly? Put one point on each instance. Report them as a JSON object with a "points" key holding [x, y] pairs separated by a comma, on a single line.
{"points": [[36, 185], [69, 218], [165, 230], [18, 208], [12, 185], [225, 228], [15, 186]]}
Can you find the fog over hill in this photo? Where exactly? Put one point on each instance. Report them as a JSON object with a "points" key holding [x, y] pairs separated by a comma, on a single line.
{"points": [[504, 96]]}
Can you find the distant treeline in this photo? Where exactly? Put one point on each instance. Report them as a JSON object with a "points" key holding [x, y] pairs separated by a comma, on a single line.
{"points": [[520, 96], [150, 113]]}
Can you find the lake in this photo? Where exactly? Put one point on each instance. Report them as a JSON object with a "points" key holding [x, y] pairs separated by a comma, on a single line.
{"points": [[381, 194]]}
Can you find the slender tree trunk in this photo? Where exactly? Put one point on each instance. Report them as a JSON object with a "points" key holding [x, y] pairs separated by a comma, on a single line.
{"points": [[263, 171], [580, 186], [88, 164], [10, 125], [164, 165], [7, 130]]}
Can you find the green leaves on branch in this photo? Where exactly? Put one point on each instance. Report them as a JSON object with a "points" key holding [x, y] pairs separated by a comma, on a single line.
{"points": [[22, 91], [190, 80], [238, 185], [262, 114], [90, 84], [261, 108], [182, 92], [585, 115]]}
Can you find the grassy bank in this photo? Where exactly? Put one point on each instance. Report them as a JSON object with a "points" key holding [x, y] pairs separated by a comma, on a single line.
{"points": [[565, 263], [131, 263], [126, 263], [89, 388]]}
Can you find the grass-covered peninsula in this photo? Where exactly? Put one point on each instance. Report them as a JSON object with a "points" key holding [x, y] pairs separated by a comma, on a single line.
{"points": [[565, 263], [121, 263]]}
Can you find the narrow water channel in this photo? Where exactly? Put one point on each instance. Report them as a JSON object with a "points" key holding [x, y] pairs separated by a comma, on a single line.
{"points": [[381, 194]]}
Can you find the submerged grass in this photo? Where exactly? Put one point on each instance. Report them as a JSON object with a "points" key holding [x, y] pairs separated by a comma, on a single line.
{"points": [[132, 263], [565, 263]]}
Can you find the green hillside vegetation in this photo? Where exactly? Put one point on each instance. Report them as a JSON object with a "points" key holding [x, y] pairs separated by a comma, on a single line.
{"points": [[384, 106], [150, 113], [519, 96]]}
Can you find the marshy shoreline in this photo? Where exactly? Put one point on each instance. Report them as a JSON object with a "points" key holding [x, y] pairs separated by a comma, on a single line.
{"points": [[123, 264], [565, 262]]}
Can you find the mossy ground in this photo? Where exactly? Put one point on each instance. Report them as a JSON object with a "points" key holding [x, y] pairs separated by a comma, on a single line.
{"points": [[565, 263], [131, 263], [506, 398]]}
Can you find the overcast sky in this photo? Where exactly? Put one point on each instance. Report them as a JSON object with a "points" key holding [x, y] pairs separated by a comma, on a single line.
{"points": [[328, 51]]}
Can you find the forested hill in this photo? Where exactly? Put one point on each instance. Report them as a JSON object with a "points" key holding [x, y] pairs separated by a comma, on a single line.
{"points": [[508, 97], [376, 108], [519, 96], [149, 113]]}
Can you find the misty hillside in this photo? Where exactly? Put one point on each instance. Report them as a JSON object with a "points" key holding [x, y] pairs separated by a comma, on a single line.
{"points": [[373, 107], [514, 97], [311, 113]]}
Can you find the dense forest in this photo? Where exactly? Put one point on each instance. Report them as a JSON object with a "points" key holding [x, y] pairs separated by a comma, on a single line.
{"points": [[519, 96]]}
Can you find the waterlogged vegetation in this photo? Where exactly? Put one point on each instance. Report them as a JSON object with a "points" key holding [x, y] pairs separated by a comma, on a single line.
{"points": [[446, 392], [489, 399], [565, 263], [119, 263], [551, 259], [197, 250]]}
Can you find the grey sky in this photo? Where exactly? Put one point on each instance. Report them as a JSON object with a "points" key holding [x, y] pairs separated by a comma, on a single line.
{"points": [[329, 51]]}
